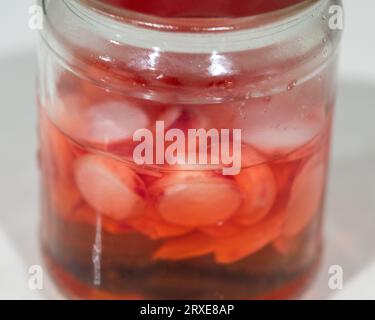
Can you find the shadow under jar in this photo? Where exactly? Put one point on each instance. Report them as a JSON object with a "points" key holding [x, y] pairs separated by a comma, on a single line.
{"points": [[115, 226]]}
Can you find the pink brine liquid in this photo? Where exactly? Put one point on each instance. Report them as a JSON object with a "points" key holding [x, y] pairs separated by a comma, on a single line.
{"points": [[114, 229], [198, 8]]}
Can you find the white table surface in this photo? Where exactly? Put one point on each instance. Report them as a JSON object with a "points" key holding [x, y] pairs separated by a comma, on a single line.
{"points": [[350, 222]]}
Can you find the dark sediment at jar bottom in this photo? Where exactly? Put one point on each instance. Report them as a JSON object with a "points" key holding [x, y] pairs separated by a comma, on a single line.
{"points": [[265, 275], [282, 286]]}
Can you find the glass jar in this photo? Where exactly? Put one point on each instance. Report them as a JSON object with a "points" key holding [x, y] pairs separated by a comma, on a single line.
{"points": [[184, 157]]}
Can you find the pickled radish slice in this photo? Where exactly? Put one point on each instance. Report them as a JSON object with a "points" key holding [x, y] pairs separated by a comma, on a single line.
{"points": [[215, 160], [306, 150], [147, 173], [285, 246], [226, 229], [154, 227], [284, 173], [104, 123], [88, 215], [279, 127], [148, 178], [259, 188], [276, 141], [313, 145], [305, 198], [184, 163], [189, 119], [110, 187], [170, 116], [206, 160], [250, 157], [83, 214], [195, 199], [114, 227], [57, 154], [65, 198], [186, 247], [250, 240]]}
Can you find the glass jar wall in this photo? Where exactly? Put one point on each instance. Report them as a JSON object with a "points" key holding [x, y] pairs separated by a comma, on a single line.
{"points": [[118, 223]]}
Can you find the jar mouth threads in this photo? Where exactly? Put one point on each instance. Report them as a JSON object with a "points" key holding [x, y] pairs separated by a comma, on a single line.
{"points": [[197, 24]]}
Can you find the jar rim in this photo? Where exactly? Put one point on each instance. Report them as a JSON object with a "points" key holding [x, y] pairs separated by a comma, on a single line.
{"points": [[250, 32], [194, 24]]}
